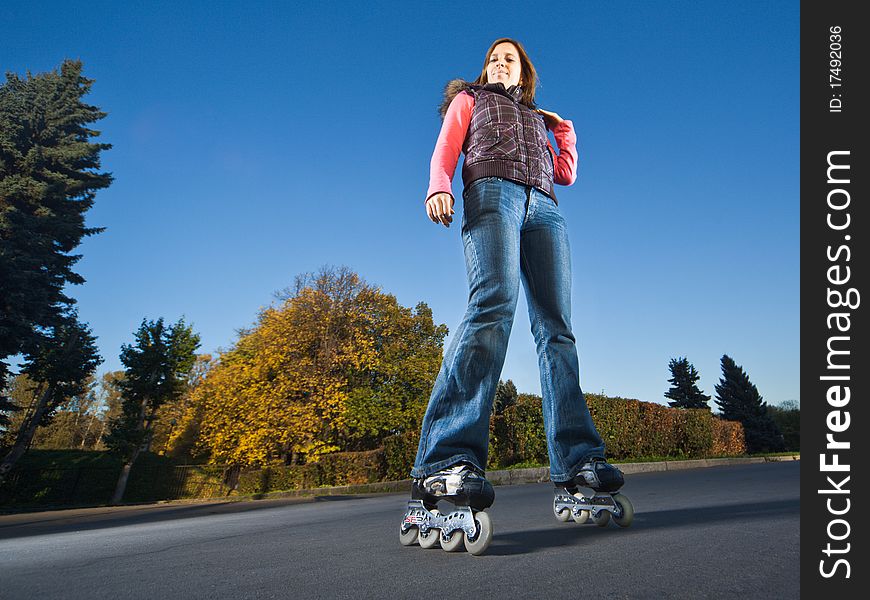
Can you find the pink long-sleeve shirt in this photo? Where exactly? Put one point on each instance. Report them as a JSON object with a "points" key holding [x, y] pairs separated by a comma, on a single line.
{"points": [[452, 136]]}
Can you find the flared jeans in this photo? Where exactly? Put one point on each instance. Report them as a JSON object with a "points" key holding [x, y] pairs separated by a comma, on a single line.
{"points": [[511, 233]]}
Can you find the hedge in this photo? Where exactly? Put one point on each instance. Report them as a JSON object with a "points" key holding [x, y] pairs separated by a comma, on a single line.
{"points": [[61, 478], [728, 438], [630, 428], [339, 468]]}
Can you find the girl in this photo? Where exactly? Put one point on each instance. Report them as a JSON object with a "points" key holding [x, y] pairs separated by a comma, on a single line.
{"points": [[512, 231]]}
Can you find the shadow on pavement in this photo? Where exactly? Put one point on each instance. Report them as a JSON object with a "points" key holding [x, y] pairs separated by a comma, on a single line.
{"points": [[28, 524], [572, 534]]}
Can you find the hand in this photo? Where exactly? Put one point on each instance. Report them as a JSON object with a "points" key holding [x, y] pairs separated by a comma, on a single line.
{"points": [[550, 118], [439, 207]]}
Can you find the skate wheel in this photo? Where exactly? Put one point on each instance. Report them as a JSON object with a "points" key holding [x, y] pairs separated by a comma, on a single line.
{"points": [[481, 542], [409, 537], [564, 515], [602, 518], [429, 539], [627, 510], [454, 542], [581, 517]]}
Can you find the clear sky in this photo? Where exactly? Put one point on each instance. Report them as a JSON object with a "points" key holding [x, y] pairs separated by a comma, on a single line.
{"points": [[254, 141]]}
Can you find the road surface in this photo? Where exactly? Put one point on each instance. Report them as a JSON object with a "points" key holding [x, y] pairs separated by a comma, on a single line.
{"points": [[720, 532]]}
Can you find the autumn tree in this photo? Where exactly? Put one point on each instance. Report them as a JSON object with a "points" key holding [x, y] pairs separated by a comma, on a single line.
{"points": [[49, 176], [8, 405], [21, 393], [336, 365], [177, 422], [684, 389], [157, 367], [76, 424], [111, 400]]}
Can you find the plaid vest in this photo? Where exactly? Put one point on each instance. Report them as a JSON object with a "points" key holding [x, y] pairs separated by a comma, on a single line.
{"points": [[506, 139]]}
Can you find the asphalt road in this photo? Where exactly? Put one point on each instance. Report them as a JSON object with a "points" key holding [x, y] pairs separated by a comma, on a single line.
{"points": [[720, 532]]}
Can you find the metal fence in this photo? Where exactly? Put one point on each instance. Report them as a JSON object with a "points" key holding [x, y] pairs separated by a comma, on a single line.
{"points": [[90, 486]]}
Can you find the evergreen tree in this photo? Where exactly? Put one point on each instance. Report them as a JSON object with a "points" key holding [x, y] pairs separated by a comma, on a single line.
{"points": [[157, 368], [49, 175], [505, 396], [739, 400], [61, 365], [684, 389], [76, 424], [787, 417]]}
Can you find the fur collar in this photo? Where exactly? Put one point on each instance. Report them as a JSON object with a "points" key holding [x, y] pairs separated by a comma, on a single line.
{"points": [[453, 87], [456, 86]]}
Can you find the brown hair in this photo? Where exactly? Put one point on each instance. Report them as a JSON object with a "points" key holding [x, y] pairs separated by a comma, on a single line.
{"points": [[528, 74]]}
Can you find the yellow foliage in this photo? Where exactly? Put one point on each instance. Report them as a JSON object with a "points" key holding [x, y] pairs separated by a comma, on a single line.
{"points": [[333, 367]]}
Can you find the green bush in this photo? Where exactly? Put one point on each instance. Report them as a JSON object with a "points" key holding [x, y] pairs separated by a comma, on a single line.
{"points": [[339, 468], [697, 437], [517, 435], [787, 417], [618, 422], [399, 454], [630, 429], [52, 478]]}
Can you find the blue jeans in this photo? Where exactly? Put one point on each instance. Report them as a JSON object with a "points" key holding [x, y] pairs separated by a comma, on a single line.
{"points": [[511, 233]]}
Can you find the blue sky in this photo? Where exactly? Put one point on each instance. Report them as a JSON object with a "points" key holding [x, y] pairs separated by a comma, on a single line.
{"points": [[256, 141]]}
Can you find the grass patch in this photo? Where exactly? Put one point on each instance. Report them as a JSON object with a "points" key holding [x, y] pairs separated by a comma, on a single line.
{"points": [[792, 453], [526, 465], [645, 459]]}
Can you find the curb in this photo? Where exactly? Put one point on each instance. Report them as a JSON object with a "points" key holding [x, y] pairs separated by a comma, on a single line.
{"points": [[499, 477], [542, 474]]}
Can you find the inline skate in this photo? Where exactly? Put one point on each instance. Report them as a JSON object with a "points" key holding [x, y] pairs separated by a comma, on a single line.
{"points": [[466, 525], [601, 506]]}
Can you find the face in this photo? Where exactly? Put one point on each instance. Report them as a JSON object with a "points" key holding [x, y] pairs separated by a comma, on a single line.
{"points": [[504, 65]]}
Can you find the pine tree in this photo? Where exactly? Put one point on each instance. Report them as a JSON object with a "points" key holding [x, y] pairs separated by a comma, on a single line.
{"points": [[157, 368], [787, 417], [739, 400], [684, 389], [49, 176], [505, 396], [61, 365]]}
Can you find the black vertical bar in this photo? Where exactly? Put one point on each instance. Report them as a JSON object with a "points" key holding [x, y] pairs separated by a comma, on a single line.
{"points": [[835, 224]]}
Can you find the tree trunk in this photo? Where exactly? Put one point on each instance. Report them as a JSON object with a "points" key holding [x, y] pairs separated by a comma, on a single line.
{"points": [[149, 430], [88, 430], [125, 471], [125, 475], [104, 422], [28, 428], [31, 408], [75, 430], [25, 434]]}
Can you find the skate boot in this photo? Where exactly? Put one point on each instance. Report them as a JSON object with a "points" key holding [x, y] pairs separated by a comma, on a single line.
{"points": [[466, 525], [604, 479]]}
